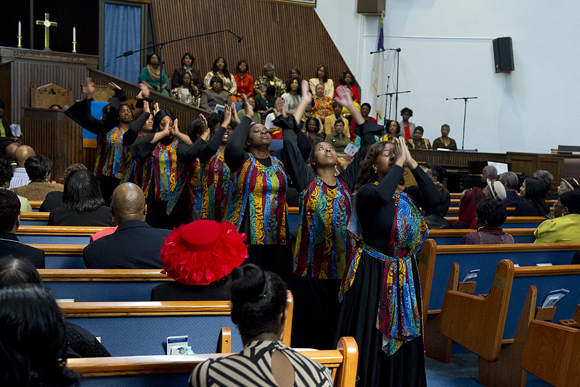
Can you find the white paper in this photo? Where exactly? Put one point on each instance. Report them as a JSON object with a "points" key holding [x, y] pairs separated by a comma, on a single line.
{"points": [[471, 276], [351, 149], [553, 297]]}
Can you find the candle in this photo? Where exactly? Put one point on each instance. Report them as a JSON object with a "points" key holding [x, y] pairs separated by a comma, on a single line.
{"points": [[19, 29], [74, 34]]}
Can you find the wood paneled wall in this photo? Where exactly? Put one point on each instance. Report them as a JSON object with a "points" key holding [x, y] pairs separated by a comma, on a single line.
{"points": [[283, 34], [5, 83]]}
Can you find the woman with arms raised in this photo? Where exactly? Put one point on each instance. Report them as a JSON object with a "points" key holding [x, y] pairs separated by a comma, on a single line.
{"points": [[258, 200], [381, 293], [323, 246], [259, 309]]}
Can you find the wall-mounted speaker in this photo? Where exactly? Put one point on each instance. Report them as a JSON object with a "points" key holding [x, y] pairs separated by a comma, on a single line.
{"points": [[503, 55], [370, 6]]}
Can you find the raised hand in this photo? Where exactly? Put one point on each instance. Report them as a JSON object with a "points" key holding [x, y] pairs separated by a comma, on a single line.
{"points": [[280, 109], [146, 107], [144, 90], [227, 115], [204, 128], [235, 117], [175, 128], [401, 149], [344, 97], [90, 86], [156, 108], [114, 86], [306, 94], [409, 160], [249, 108]]}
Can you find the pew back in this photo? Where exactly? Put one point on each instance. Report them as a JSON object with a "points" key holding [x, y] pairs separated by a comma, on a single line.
{"points": [[56, 234], [65, 256], [453, 237]]}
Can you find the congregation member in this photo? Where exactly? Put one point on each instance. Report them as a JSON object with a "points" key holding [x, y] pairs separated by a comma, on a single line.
{"points": [[548, 179], [565, 227], [186, 92], [187, 61], [82, 203], [165, 177], [436, 217], [39, 170], [5, 176], [21, 154], [10, 150], [33, 339], [244, 81], [338, 139], [365, 110], [567, 184], [134, 244], [114, 162], [9, 224], [407, 128], [533, 191], [294, 73], [468, 208], [215, 95], [256, 118], [511, 183], [153, 76], [314, 130], [220, 70], [336, 116], [393, 132], [5, 129], [393, 230], [322, 104], [259, 309], [199, 256], [348, 80], [54, 199], [258, 212], [491, 215], [323, 245], [418, 142], [292, 96], [265, 102], [488, 174], [445, 142], [322, 78], [268, 79]]}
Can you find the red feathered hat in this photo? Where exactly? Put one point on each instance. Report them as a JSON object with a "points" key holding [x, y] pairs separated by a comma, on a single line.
{"points": [[202, 252]]}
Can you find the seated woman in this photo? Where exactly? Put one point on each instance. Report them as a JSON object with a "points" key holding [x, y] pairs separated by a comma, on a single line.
{"points": [[418, 142], [347, 80], [199, 256], [468, 208], [244, 81], [322, 103], [565, 227], [491, 214], [337, 138], [533, 191], [153, 76], [186, 93], [445, 142], [393, 132], [365, 110], [220, 69], [294, 73], [33, 339], [259, 309], [39, 170], [567, 184], [257, 118], [314, 130], [292, 97], [82, 203], [215, 96], [322, 79], [187, 61], [6, 173]]}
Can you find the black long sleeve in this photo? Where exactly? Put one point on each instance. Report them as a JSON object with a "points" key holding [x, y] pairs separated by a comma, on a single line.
{"points": [[425, 193], [209, 149], [371, 195], [142, 148], [300, 174], [187, 154], [131, 135], [80, 112], [234, 154], [350, 174]]}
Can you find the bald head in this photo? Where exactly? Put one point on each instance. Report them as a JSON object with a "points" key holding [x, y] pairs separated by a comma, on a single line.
{"points": [[22, 153], [128, 203], [10, 149]]}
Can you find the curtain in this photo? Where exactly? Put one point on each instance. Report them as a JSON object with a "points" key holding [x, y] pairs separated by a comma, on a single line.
{"points": [[122, 33]]}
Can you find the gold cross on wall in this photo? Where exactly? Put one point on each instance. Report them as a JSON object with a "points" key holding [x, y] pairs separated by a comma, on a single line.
{"points": [[47, 24]]}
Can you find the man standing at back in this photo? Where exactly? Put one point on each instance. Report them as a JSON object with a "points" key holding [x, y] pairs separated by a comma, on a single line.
{"points": [[135, 244]]}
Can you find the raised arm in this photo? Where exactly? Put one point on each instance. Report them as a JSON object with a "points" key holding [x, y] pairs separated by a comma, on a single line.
{"points": [[206, 151], [131, 135], [425, 193], [234, 154]]}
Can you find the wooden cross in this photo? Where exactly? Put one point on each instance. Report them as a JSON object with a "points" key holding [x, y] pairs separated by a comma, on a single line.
{"points": [[47, 24]]}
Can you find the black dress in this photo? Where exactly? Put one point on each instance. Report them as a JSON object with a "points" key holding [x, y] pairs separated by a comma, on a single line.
{"points": [[358, 313]]}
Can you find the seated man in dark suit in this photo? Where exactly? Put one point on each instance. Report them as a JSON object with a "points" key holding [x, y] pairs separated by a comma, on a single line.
{"points": [[135, 244], [10, 246]]}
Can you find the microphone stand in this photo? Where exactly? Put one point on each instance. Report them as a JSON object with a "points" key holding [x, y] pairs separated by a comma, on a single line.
{"points": [[398, 50], [390, 95], [160, 45], [464, 115]]}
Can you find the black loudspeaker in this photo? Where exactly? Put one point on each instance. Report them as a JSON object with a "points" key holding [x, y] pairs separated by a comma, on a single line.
{"points": [[370, 6], [503, 55]]}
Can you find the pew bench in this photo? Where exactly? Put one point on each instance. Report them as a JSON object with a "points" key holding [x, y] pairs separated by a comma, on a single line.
{"points": [[94, 285], [142, 328], [62, 256], [35, 204], [495, 327], [56, 234], [34, 218], [453, 237], [153, 371], [513, 221]]}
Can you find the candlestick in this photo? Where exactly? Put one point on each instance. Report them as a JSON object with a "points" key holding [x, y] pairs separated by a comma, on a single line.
{"points": [[19, 28], [19, 35], [74, 34]]}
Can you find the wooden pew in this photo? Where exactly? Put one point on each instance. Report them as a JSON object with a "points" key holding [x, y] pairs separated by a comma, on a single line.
{"points": [[426, 267], [56, 234], [34, 218], [514, 221], [93, 285], [456, 201], [162, 371], [35, 204], [141, 328], [62, 256], [467, 319], [453, 237], [551, 353]]}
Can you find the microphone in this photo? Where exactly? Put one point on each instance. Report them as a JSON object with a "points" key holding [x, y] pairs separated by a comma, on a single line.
{"points": [[127, 53], [240, 39], [399, 49]]}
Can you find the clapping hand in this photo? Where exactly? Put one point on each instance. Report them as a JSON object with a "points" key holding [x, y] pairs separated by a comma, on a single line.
{"points": [[113, 86], [90, 86], [306, 94], [344, 97], [280, 109], [248, 107], [144, 91]]}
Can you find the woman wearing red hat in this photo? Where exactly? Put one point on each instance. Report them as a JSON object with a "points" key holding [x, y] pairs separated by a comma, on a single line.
{"points": [[258, 199], [323, 246]]}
